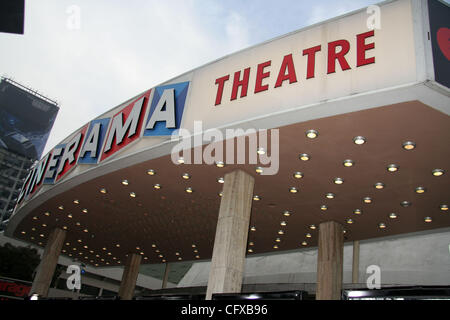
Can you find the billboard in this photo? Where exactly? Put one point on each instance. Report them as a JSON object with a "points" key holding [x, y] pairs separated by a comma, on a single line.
{"points": [[12, 13], [439, 13], [25, 120]]}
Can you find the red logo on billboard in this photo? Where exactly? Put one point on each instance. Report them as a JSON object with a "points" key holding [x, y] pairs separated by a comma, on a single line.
{"points": [[443, 39]]}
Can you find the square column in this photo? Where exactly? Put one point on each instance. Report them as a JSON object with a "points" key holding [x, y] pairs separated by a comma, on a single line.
{"points": [[166, 276], [228, 259], [49, 260], [129, 276], [355, 262], [330, 261]]}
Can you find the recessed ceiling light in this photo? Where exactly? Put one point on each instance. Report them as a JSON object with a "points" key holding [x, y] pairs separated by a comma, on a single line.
{"points": [[382, 225], [313, 227], [189, 190], [420, 190], [47, 214], [293, 190], [349, 221], [61, 207], [186, 176], [359, 140], [286, 213], [357, 211], [259, 170], [76, 201], [393, 215], [280, 232], [443, 207], [23, 232], [277, 240], [157, 186], [348, 163], [428, 219], [180, 160], [85, 210], [78, 224], [44, 225], [408, 145], [250, 250], [253, 228], [86, 230], [330, 195], [103, 190], [338, 180], [367, 200], [261, 151], [275, 247], [256, 197], [251, 243], [220, 194], [308, 235], [379, 185], [311, 134], [69, 216], [220, 164], [132, 194], [437, 172], [151, 172], [304, 157], [405, 204], [392, 167], [283, 223], [323, 207], [221, 180], [304, 243], [125, 182], [35, 218], [298, 175]]}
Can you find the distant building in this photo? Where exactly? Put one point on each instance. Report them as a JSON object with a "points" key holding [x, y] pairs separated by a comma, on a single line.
{"points": [[26, 119]]}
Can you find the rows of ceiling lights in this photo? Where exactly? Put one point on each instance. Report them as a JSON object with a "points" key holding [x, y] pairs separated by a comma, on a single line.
{"points": [[311, 134], [157, 186], [358, 140]]}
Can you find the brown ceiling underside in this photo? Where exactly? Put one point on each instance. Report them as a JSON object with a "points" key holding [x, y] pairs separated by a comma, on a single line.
{"points": [[174, 220]]}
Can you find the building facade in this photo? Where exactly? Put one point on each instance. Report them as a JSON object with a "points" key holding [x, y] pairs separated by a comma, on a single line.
{"points": [[329, 135]]}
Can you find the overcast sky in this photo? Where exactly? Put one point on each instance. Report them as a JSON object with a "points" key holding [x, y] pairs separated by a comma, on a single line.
{"points": [[119, 48]]}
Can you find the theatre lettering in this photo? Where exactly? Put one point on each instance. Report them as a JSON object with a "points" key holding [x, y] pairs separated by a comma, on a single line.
{"points": [[336, 51]]}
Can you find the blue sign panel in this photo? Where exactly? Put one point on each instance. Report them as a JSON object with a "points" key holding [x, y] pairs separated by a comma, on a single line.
{"points": [[166, 110]]}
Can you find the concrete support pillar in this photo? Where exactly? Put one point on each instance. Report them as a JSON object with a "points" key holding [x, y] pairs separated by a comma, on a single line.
{"points": [[330, 261], [129, 277], [166, 276], [228, 259], [355, 264], [49, 260]]}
